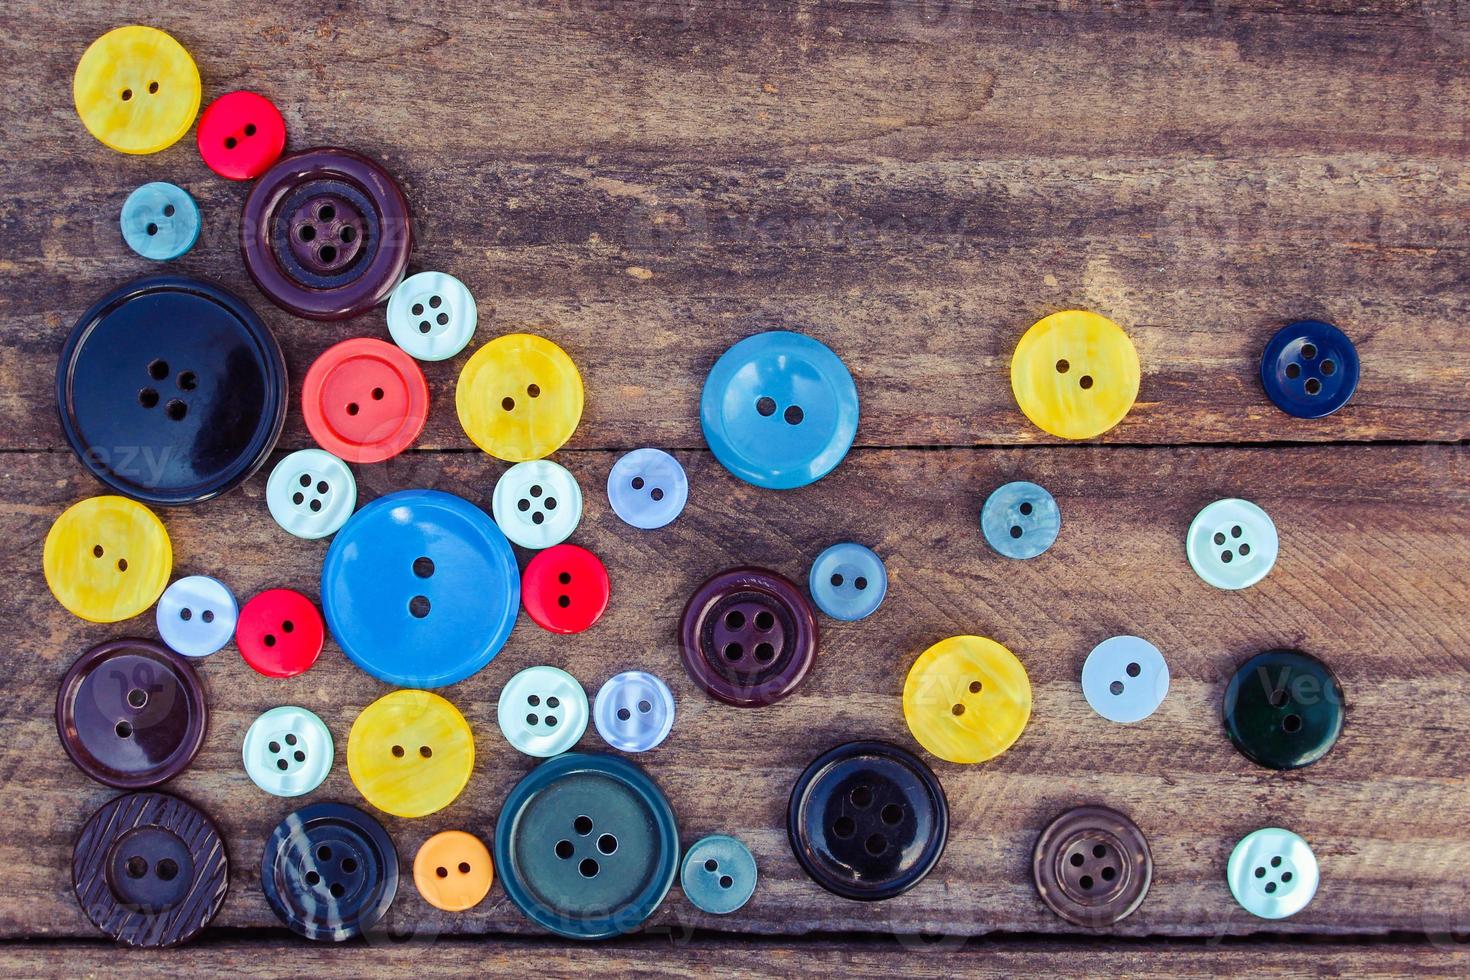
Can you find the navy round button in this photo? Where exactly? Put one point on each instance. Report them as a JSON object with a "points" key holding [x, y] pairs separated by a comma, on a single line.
{"points": [[1020, 520], [420, 588], [848, 581], [1310, 369], [647, 488], [329, 871], [171, 390]]}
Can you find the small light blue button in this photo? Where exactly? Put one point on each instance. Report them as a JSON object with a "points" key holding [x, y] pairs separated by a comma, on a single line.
{"points": [[288, 751], [1020, 520], [1125, 679], [311, 493], [542, 711], [647, 488], [196, 615], [634, 711], [1272, 873], [1232, 544], [537, 503], [160, 221], [432, 316], [718, 875], [848, 581]]}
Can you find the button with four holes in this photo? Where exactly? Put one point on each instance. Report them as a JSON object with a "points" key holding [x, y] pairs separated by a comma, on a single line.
{"points": [[1092, 866], [1020, 520], [848, 581], [542, 711], [311, 493], [1283, 709], [136, 89], [410, 753], [288, 751], [160, 221], [365, 400], [280, 633], [453, 871], [432, 316], [718, 875], [565, 589], [1125, 679], [1075, 374], [1272, 873], [1310, 369], [519, 397], [748, 636], [1231, 544], [240, 135], [647, 488], [196, 615], [634, 711], [967, 699], [537, 504], [107, 559], [329, 872]]}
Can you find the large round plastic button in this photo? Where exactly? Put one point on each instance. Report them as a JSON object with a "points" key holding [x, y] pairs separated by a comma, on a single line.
{"points": [[280, 633], [410, 753], [779, 410], [166, 415], [453, 871], [326, 234], [160, 221], [150, 870], [748, 636], [329, 872], [565, 589], [634, 711], [131, 713], [587, 846], [1310, 369], [1272, 873], [1283, 709], [288, 751], [1020, 520], [420, 588], [967, 699], [1075, 374], [519, 397], [1092, 866], [867, 820], [647, 488], [1125, 679], [365, 400], [136, 89], [1231, 544], [432, 316], [542, 711], [240, 135], [848, 581], [537, 504], [718, 875], [196, 615], [311, 493], [107, 559]]}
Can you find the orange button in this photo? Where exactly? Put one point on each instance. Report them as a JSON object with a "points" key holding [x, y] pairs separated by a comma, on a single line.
{"points": [[365, 400], [453, 871]]}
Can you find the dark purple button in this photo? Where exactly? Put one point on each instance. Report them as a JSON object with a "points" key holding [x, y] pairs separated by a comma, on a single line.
{"points": [[150, 870], [749, 636], [131, 713]]}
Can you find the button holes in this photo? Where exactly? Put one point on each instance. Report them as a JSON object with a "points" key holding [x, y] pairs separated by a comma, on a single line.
{"points": [[327, 212], [442, 319], [1016, 531], [734, 651], [176, 410], [1293, 370], [766, 406], [538, 518], [1236, 531], [764, 652], [553, 703], [316, 505], [508, 403], [124, 729], [551, 503], [377, 394], [975, 687], [444, 872], [1291, 724], [862, 797], [534, 390], [1270, 887], [435, 302], [551, 721], [764, 621], [186, 614], [96, 551], [1133, 670], [860, 582], [892, 814], [328, 253], [1226, 557], [337, 890], [418, 309], [168, 210], [564, 601], [726, 881], [533, 719], [564, 849], [958, 710], [418, 606], [1244, 550], [152, 229], [638, 483], [397, 751], [290, 740], [250, 129], [711, 865], [423, 567], [582, 825], [794, 415], [1099, 851], [523, 504], [1077, 861], [425, 328], [307, 233], [624, 714], [607, 843], [656, 494], [836, 581], [565, 578], [426, 752], [324, 853], [137, 697], [323, 487], [1285, 877], [1062, 366], [158, 370], [122, 564], [735, 619], [152, 88], [588, 868], [536, 490], [297, 498], [1109, 873], [313, 879], [187, 381], [1085, 382], [127, 94], [137, 866], [148, 398], [1026, 509], [644, 707], [876, 844], [270, 640], [287, 626], [533, 700], [844, 827], [207, 615], [282, 765], [352, 408], [1329, 368], [1219, 537], [1116, 688], [1309, 351], [349, 865], [1313, 386], [1086, 882], [464, 867]]}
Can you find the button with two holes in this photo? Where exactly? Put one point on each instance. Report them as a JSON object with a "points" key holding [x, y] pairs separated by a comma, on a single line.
{"points": [[848, 581], [537, 504], [519, 397], [1125, 679], [160, 221], [748, 636], [1020, 520], [967, 699], [410, 753], [365, 400], [329, 872], [1092, 866], [107, 559], [718, 874], [288, 751], [1272, 873], [1310, 369], [280, 633], [634, 711], [453, 871], [240, 135], [1232, 544], [432, 316], [136, 89], [311, 493], [565, 589], [196, 615], [647, 488], [1075, 374], [1283, 709], [542, 711]]}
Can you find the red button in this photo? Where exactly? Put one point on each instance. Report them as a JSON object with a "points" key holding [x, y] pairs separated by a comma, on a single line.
{"points": [[564, 589], [365, 400], [240, 135], [280, 633]]}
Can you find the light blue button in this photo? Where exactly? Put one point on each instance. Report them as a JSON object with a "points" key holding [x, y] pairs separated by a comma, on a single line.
{"points": [[1272, 873], [634, 711], [542, 711], [432, 316], [537, 504], [779, 410], [1232, 544], [1125, 679], [647, 488], [196, 615], [848, 581], [718, 875], [1020, 520], [160, 221], [311, 493], [288, 751]]}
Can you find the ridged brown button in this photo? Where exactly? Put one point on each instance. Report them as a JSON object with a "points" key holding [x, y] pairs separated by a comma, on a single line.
{"points": [[748, 636], [1092, 866]]}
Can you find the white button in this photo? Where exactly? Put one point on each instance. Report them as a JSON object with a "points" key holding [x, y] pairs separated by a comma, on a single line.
{"points": [[311, 493], [542, 711], [196, 615], [537, 504], [432, 316], [1125, 679]]}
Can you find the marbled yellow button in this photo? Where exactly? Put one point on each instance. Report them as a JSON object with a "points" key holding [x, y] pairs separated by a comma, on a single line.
{"points": [[453, 871], [966, 699], [519, 397], [107, 559], [1075, 374], [410, 753], [136, 89]]}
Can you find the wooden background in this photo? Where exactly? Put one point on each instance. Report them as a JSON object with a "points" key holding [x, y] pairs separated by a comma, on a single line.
{"points": [[913, 183]]}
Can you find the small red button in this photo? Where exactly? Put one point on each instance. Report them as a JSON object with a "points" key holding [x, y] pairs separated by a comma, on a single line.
{"points": [[365, 400], [240, 135], [280, 633], [564, 589]]}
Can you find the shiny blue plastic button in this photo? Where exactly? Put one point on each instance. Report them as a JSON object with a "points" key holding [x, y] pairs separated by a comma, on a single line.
{"points": [[779, 410], [160, 221], [848, 581], [1310, 369], [647, 488], [1020, 520], [634, 711], [420, 588], [1125, 679], [288, 751], [718, 875], [196, 615], [311, 493]]}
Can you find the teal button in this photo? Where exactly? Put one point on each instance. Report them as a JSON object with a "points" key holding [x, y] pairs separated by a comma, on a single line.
{"points": [[718, 875], [1232, 544], [542, 711], [160, 221], [848, 581], [1020, 520], [288, 751], [1272, 873]]}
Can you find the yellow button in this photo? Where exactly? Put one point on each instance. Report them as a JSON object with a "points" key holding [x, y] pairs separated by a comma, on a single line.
{"points": [[519, 397], [966, 699], [453, 871], [107, 558], [136, 89], [1075, 374], [410, 753]]}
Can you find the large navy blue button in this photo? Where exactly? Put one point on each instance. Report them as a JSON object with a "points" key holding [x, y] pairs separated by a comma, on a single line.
{"points": [[329, 871], [420, 588], [171, 390], [1310, 369]]}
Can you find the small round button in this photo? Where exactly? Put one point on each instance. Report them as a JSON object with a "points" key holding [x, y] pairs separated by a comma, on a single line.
{"points": [[967, 699], [1125, 679], [364, 400], [867, 820], [196, 615], [848, 581], [107, 559], [634, 711], [432, 316], [542, 711], [160, 221], [280, 633], [136, 89], [519, 397], [150, 870], [718, 875], [410, 753], [1020, 520], [1075, 374], [779, 410], [1272, 873], [565, 589], [1309, 369], [1231, 544], [647, 488], [453, 871], [131, 713], [240, 135], [537, 504], [1283, 709], [329, 872], [587, 846], [1092, 866], [748, 636], [311, 493], [288, 751]]}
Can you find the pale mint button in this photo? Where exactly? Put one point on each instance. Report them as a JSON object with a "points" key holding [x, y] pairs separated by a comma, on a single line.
{"points": [[542, 711], [196, 615], [311, 493], [718, 875], [537, 504], [1272, 873], [160, 221], [1125, 679], [432, 316], [288, 751], [1232, 544]]}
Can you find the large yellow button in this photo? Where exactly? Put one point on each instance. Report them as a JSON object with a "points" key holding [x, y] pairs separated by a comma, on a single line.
{"points": [[1075, 374], [107, 559], [136, 89], [519, 397], [453, 871], [966, 699], [410, 753]]}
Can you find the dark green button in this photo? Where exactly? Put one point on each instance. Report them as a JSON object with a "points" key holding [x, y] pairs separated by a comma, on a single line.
{"points": [[1283, 709]]}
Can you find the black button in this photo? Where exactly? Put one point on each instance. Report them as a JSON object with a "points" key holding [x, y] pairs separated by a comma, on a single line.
{"points": [[329, 871], [1283, 709]]}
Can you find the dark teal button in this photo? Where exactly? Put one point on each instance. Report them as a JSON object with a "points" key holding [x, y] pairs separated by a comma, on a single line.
{"points": [[1283, 709]]}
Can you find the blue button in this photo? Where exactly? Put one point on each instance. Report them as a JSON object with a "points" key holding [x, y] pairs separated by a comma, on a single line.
{"points": [[420, 588], [718, 875], [160, 221], [196, 615], [1020, 520], [779, 410], [634, 711], [647, 488], [848, 581], [1310, 369]]}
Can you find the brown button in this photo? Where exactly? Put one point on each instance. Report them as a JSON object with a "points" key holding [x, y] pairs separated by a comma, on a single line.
{"points": [[1092, 866], [748, 636]]}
